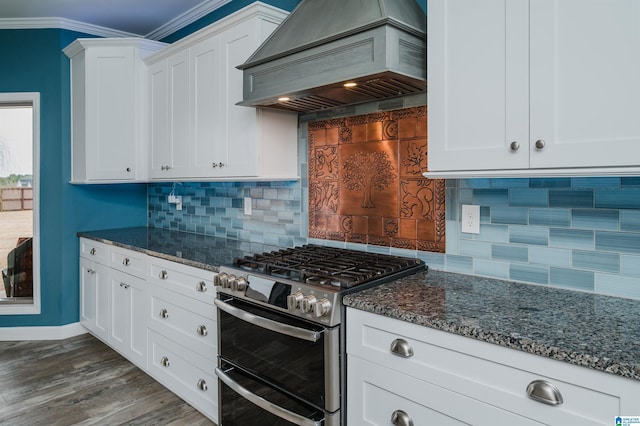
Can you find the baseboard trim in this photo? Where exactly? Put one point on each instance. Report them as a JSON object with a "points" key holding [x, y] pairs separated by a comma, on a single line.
{"points": [[41, 333]]}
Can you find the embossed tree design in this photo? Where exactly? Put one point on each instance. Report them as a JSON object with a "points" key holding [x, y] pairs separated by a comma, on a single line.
{"points": [[367, 172]]}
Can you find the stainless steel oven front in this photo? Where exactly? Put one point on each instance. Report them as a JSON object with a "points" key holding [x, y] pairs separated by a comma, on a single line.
{"points": [[274, 368]]}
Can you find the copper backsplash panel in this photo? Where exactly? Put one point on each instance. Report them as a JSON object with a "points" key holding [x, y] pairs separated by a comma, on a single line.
{"points": [[366, 184]]}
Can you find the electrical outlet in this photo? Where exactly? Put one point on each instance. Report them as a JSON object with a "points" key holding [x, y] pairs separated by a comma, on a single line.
{"points": [[470, 219], [247, 206]]}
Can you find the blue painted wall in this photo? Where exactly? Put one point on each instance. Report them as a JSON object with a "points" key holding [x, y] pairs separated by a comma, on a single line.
{"points": [[32, 61]]}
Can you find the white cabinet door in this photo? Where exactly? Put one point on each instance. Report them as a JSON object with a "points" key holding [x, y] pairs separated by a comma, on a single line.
{"points": [[479, 100], [585, 83], [111, 113], [128, 316], [94, 297], [159, 118], [170, 116], [239, 136], [208, 154]]}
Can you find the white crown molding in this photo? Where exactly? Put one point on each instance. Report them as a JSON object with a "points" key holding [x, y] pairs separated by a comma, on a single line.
{"points": [[62, 23], [186, 18], [41, 333]]}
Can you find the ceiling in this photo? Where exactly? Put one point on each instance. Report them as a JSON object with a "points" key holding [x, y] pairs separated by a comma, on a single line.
{"points": [[134, 17]]}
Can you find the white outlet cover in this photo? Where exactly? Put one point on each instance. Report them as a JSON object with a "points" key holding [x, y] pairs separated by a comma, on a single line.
{"points": [[247, 205], [470, 219]]}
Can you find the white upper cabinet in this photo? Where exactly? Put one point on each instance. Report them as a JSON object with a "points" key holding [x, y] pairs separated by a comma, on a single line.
{"points": [[108, 96], [197, 130], [533, 87]]}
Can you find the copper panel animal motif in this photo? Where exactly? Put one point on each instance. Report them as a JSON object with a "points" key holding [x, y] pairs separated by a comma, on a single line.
{"points": [[366, 183]]}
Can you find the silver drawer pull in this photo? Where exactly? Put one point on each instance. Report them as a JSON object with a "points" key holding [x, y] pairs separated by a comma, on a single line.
{"points": [[126, 261], [545, 392], [202, 385], [124, 285], [164, 313], [164, 275], [201, 330], [401, 347], [92, 252], [400, 418], [91, 271], [201, 286], [164, 361]]}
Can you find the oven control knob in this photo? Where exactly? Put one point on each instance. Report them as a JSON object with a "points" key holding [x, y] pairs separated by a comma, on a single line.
{"points": [[307, 303], [294, 301], [239, 284], [220, 279], [321, 308], [226, 283]]}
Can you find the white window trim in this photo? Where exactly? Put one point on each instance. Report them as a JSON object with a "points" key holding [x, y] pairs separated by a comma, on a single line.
{"points": [[30, 308]]}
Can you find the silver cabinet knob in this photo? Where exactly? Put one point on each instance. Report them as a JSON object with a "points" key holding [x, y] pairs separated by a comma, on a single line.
{"points": [[163, 313], [545, 392], [92, 252], [514, 146], [400, 418], [401, 347], [126, 261], [201, 287], [202, 385], [201, 330], [164, 361], [128, 169], [540, 144], [163, 275]]}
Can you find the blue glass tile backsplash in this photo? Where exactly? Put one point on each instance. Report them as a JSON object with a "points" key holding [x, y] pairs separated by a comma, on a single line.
{"points": [[577, 233]]}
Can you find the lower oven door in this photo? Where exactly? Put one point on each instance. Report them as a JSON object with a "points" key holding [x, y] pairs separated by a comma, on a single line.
{"points": [[247, 401], [296, 356]]}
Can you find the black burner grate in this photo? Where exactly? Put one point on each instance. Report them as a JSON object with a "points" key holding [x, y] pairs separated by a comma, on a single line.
{"points": [[314, 264]]}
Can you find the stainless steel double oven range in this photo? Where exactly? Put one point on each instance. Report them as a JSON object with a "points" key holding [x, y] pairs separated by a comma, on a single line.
{"points": [[281, 335]]}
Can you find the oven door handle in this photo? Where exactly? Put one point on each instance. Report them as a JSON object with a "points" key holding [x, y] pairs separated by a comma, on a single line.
{"points": [[272, 408], [278, 327]]}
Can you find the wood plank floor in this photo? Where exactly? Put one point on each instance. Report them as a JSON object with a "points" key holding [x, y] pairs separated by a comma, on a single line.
{"points": [[81, 381]]}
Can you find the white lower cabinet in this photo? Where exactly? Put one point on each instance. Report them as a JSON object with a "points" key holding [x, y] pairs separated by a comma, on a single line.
{"points": [[183, 338], [450, 379], [94, 297], [158, 314], [128, 326]]}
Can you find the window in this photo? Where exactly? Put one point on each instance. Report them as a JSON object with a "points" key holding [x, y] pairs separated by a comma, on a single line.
{"points": [[19, 206]]}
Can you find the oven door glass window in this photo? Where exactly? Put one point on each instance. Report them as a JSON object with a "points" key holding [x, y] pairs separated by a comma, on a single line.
{"points": [[237, 410], [293, 364]]}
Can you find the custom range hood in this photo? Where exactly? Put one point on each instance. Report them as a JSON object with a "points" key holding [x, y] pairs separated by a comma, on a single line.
{"points": [[376, 47]]}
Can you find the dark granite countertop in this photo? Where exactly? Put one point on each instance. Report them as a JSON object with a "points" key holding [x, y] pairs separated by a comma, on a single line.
{"points": [[200, 251], [594, 331]]}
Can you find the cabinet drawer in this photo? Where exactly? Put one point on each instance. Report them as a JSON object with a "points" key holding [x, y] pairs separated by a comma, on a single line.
{"points": [[467, 366], [187, 321], [94, 250], [128, 261], [376, 393], [184, 373], [186, 280]]}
